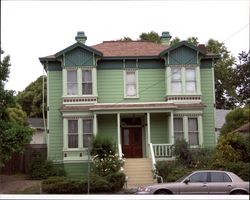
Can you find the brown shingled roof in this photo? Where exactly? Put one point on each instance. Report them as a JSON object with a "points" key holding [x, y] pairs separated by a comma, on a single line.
{"points": [[129, 48]]}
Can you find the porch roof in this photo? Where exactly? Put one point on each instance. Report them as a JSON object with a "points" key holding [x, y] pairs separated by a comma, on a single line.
{"points": [[130, 106]]}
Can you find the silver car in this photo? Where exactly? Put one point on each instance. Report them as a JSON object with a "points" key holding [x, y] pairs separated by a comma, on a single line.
{"points": [[202, 183]]}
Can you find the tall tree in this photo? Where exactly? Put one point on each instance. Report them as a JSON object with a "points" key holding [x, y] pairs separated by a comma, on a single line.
{"points": [[13, 133], [225, 83], [31, 99], [174, 41], [151, 36], [242, 73], [193, 40]]}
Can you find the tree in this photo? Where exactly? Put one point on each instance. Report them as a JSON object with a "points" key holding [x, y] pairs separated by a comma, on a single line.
{"points": [[125, 39], [193, 41], [242, 73], [31, 99], [225, 83], [151, 37], [174, 41], [13, 133], [17, 115], [235, 119]]}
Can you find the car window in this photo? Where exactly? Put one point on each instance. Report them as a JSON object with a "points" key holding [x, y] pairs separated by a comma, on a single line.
{"points": [[198, 177], [220, 177]]}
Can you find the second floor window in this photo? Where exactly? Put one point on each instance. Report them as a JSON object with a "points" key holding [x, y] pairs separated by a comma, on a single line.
{"points": [[72, 82], [131, 84], [190, 80], [176, 84], [86, 82]]}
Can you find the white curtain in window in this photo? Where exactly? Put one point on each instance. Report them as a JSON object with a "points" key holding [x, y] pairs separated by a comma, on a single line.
{"points": [[178, 129], [190, 80], [130, 84], [193, 131], [86, 76], [72, 133], [72, 82], [176, 80]]}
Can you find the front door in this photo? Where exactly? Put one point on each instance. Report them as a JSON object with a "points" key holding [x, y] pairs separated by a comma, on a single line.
{"points": [[132, 142]]}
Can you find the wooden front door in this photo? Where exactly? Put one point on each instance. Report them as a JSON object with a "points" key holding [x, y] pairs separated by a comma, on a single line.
{"points": [[132, 142]]}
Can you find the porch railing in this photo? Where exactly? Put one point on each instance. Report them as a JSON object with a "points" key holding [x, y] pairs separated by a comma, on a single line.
{"points": [[163, 150]]}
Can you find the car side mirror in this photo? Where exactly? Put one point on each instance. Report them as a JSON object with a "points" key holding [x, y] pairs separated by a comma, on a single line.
{"points": [[187, 180]]}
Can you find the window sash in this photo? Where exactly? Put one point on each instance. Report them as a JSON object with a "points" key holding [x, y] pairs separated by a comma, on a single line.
{"points": [[178, 129], [193, 132], [87, 83], [72, 133], [131, 86], [87, 132], [72, 82]]}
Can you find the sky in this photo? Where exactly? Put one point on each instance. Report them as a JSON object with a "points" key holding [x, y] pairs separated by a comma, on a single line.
{"points": [[33, 29]]}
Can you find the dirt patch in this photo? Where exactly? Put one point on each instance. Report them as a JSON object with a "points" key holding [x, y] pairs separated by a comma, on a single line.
{"points": [[14, 183]]}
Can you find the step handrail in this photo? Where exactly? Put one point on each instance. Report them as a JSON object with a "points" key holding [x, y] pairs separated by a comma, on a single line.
{"points": [[152, 154]]}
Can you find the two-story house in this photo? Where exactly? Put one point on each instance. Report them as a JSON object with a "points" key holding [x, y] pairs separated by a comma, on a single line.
{"points": [[142, 95]]}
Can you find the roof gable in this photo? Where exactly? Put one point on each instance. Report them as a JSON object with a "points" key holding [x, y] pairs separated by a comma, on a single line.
{"points": [[78, 45], [179, 44]]}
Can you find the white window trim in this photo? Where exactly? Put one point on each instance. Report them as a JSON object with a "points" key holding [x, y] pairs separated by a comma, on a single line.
{"points": [[124, 84], [79, 81]]}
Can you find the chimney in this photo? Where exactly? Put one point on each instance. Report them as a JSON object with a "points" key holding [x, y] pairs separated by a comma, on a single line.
{"points": [[80, 37], [165, 38]]}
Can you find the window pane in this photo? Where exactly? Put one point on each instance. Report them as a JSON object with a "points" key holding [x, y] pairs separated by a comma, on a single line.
{"points": [[176, 73], [192, 124], [131, 90], [72, 88], [87, 126], [198, 177], [190, 75], [178, 124], [87, 88], [176, 87], [193, 131], [72, 76], [87, 140], [126, 137], [190, 87], [130, 77], [73, 141], [193, 138], [86, 76], [72, 126]]}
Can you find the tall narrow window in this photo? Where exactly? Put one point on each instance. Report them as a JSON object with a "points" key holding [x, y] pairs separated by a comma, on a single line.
{"points": [[193, 133], [72, 82], [190, 80], [178, 129], [73, 133], [86, 82], [87, 132], [176, 80], [131, 87]]}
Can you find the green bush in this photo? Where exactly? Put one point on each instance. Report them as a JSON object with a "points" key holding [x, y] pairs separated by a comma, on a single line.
{"points": [[202, 158], [66, 185], [42, 169], [182, 152], [116, 180]]}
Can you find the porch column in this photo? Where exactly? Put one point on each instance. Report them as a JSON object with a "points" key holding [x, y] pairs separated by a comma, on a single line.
{"points": [[118, 129], [148, 128], [200, 130], [95, 128], [65, 133], [171, 127]]}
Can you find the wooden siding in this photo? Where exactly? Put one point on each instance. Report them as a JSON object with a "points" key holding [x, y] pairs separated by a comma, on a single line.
{"points": [[159, 128], [76, 169], [55, 119], [107, 126], [151, 86], [208, 113], [183, 55], [78, 57]]}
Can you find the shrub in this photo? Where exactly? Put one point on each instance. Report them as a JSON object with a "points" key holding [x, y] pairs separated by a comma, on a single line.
{"points": [[182, 152], [42, 169], [202, 157], [116, 180], [66, 185]]}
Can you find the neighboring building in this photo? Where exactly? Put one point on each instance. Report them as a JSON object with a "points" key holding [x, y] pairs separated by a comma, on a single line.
{"points": [[39, 137], [140, 94], [220, 120]]}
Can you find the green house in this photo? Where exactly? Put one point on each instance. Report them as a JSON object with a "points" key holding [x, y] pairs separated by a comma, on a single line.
{"points": [[140, 94]]}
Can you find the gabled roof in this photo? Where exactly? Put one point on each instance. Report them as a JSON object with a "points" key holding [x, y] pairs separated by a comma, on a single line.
{"points": [[77, 44], [179, 44], [130, 48]]}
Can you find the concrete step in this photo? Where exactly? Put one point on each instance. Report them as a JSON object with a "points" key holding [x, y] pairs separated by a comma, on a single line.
{"points": [[138, 171]]}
